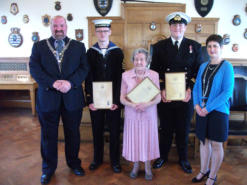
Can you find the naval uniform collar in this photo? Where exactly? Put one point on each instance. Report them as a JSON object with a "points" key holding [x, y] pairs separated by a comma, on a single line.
{"points": [[111, 46], [179, 41]]}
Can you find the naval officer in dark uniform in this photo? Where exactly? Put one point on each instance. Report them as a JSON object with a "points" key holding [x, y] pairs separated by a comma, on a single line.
{"points": [[105, 60], [176, 54]]}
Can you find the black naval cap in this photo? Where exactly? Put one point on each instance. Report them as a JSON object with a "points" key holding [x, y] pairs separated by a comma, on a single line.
{"points": [[178, 17]]}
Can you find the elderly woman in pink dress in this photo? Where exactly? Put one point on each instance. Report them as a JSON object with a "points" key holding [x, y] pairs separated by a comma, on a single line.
{"points": [[140, 137]]}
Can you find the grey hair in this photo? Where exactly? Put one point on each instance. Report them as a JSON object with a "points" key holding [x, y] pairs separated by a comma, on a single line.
{"points": [[143, 51]]}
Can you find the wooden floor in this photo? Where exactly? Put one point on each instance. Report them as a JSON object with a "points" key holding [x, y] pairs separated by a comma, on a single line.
{"points": [[20, 160]]}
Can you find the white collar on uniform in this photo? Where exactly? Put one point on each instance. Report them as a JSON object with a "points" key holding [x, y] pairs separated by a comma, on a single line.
{"points": [[179, 41]]}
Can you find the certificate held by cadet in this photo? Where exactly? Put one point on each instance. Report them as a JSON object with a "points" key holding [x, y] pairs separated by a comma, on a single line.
{"points": [[143, 92], [102, 95], [175, 86]]}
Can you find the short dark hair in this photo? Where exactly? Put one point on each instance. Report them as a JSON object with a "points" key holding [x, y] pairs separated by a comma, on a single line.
{"points": [[216, 38]]}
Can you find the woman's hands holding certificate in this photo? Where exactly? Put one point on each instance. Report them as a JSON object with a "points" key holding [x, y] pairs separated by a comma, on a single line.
{"points": [[141, 107]]}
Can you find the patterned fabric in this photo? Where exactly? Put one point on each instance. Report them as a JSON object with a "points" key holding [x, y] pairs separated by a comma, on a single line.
{"points": [[59, 44]]}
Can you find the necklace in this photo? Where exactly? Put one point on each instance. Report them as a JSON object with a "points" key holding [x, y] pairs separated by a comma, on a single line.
{"points": [[204, 86], [212, 67], [59, 58]]}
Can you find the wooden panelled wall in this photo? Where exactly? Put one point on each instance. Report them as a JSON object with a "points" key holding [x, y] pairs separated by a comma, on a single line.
{"points": [[131, 30]]}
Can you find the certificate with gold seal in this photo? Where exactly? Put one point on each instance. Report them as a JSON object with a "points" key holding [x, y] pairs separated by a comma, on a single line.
{"points": [[175, 86], [144, 92], [102, 95]]}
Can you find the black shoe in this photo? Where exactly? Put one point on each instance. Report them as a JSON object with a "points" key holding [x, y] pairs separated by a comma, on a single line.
{"points": [[195, 180], [78, 171], [94, 165], [185, 165], [213, 179], [45, 178], [159, 163], [116, 168]]}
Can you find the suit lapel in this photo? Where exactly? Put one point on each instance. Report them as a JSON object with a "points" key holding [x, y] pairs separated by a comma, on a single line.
{"points": [[64, 63], [183, 45]]}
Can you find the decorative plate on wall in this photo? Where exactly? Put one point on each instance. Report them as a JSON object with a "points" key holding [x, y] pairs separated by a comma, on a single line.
{"points": [[226, 39], [58, 5], [3, 19], [235, 47], [35, 37], [79, 34], [236, 20], [103, 6], [203, 7], [198, 28], [69, 17], [152, 26], [245, 34], [14, 8], [25, 19], [15, 38], [46, 19]]}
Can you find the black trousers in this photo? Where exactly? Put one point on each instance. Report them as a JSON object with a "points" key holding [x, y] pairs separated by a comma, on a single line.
{"points": [[175, 117], [99, 119], [49, 122]]}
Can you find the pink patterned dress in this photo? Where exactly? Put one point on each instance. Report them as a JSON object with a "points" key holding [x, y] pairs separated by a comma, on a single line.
{"points": [[140, 136]]}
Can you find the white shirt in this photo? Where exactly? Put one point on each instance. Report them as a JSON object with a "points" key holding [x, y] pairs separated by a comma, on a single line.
{"points": [[179, 41]]}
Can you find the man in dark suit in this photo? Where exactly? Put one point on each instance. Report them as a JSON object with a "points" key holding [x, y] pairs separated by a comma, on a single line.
{"points": [[59, 66], [105, 61], [176, 54]]}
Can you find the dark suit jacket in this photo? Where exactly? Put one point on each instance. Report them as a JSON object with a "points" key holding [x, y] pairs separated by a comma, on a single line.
{"points": [[44, 69], [166, 58]]}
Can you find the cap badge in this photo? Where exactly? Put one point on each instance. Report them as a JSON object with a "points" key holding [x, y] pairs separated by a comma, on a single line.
{"points": [[177, 18]]}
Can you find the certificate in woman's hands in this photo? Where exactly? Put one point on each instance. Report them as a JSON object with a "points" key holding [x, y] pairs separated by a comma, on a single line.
{"points": [[175, 86], [143, 92], [102, 95]]}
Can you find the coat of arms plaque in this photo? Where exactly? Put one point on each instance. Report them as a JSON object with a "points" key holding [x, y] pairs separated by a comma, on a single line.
{"points": [[103, 6]]}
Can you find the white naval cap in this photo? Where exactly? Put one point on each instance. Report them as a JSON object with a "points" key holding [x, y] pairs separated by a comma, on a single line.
{"points": [[178, 17], [102, 23]]}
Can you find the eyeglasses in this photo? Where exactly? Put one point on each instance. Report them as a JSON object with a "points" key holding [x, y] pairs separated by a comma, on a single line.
{"points": [[102, 31]]}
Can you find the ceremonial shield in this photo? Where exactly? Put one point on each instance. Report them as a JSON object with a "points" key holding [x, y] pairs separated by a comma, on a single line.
{"points": [[203, 7], [103, 6]]}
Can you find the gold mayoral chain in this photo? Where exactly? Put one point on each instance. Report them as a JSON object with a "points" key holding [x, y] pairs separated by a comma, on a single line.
{"points": [[205, 89], [61, 54]]}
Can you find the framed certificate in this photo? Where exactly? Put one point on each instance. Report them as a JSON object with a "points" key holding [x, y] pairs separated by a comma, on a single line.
{"points": [[175, 86], [143, 92], [102, 95]]}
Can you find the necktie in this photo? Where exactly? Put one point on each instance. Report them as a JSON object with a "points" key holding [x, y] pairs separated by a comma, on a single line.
{"points": [[176, 45], [59, 46]]}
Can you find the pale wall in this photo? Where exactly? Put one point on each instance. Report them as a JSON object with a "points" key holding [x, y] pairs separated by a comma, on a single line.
{"points": [[80, 9]]}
